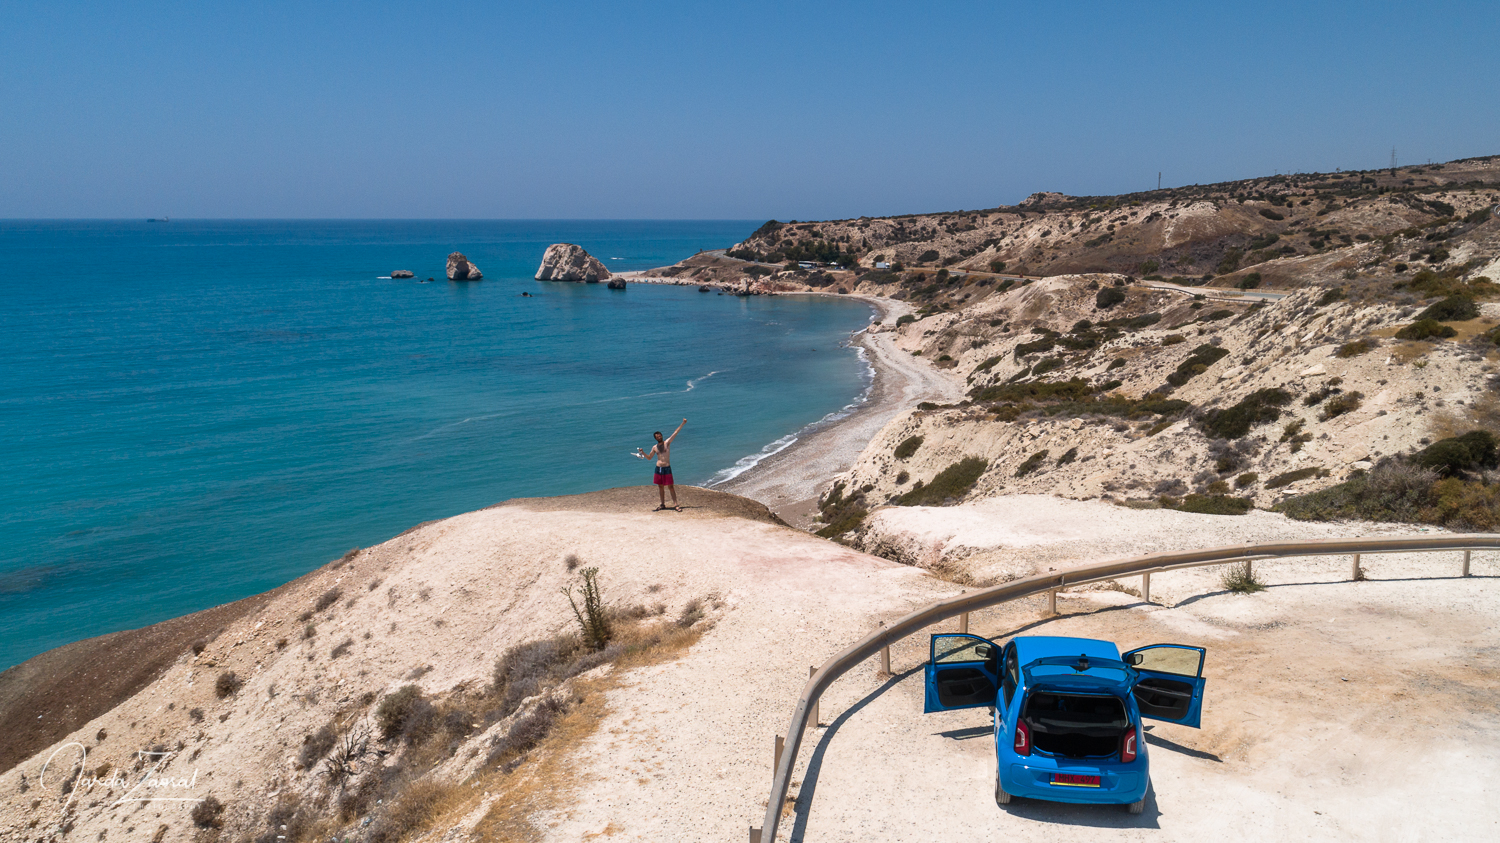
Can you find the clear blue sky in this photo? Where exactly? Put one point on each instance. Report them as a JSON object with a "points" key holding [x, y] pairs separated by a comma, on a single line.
{"points": [[711, 110]]}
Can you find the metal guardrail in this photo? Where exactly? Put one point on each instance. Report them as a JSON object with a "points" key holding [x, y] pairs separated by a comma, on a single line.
{"points": [[1145, 566]]}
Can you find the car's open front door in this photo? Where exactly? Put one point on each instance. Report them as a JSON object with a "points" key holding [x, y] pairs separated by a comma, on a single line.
{"points": [[962, 672], [1170, 682]]}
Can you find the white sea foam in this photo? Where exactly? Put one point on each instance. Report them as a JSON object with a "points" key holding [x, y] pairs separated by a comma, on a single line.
{"points": [[744, 464]]}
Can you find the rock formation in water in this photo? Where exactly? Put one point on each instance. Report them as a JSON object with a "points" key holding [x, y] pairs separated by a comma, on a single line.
{"points": [[403, 273], [567, 262], [459, 268], [617, 283]]}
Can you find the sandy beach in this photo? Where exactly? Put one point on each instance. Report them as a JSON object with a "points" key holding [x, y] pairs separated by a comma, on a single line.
{"points": [[789, 481]]}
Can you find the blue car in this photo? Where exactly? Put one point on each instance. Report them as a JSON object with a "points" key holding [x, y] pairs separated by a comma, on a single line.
{"points": [[1068, 711]]}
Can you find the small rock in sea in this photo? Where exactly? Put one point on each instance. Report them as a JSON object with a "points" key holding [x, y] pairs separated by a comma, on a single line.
{"points": [[569, 262], [616, 284], [403, 273], [703, 289], [459, 268]]}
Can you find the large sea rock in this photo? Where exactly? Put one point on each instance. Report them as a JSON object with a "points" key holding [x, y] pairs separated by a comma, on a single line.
{"points": [[567, 262], [459, 268]]}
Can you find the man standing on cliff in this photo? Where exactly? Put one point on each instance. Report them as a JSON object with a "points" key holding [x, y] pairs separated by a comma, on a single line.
{"points": [[662, 477]]}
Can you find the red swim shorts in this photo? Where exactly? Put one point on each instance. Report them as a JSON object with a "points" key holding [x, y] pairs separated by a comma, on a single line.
{"points": [[663, 476]]}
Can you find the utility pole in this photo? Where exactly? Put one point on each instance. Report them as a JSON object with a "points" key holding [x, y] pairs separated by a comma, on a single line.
{"points": [[1158, 180], [1393, 158]]}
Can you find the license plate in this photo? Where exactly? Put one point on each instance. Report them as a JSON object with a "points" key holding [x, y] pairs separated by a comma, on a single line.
{"points": [[1075, 781]]}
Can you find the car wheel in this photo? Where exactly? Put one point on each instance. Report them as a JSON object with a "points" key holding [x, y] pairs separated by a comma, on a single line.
{"points": [[1138, 805], [1001, 797]]}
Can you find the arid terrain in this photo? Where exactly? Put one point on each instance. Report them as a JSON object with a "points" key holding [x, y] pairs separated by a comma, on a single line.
{"points": [[1062, 382]]}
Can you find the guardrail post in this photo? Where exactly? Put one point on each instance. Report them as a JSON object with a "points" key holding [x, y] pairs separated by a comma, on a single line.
{"points": [[780, 747], [812, 719], [963, 620], [1357, 574], [1466, 562], [754, 834], [1052, 601], [1146, 587], [885, 660]]}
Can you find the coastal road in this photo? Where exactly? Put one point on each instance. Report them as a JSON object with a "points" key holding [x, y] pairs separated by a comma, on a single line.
{"points": [[1217, 293]]}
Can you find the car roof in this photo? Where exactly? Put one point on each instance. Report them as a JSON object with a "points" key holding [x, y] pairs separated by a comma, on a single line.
{"points": [[1029, 648]]}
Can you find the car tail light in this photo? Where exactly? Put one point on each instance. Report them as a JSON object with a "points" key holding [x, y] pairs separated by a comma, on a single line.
{"points": [[1127, 749], [1023, 738]]}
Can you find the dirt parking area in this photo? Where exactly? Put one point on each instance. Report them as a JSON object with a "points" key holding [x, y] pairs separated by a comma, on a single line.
{"points": [[1333, 710]]}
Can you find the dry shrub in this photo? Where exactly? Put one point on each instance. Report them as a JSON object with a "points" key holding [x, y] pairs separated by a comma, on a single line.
{"points": [[1241, 579], [317, 745], [330, 597], [209, 813], [417, 808], [405, 713], [1464, 505], [526, 732], [227, 684]]}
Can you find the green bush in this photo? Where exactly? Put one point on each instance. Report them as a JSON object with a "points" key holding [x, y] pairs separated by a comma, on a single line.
{"points": [[1459, 455], [1217, 315], [1425, 329], [1032, 463], [1290, 477], [997, 266], [1341, 404], [1215, 505], [1355, 348], [593, 621], [1117, 363], [1249, 478], [1049, 364], [1271, 215], [908, 446], [1249, 282], [1071, 389], [1131, 323], [1240, 577], [1196, 363], [1393, 491], [1173, 339], [955, 481], [989, 363], [1260, 407], [928, 256], [209, 813], [1036, 346], [1231, 261], [1068, 456], [1450, 309], [1109, 297]]}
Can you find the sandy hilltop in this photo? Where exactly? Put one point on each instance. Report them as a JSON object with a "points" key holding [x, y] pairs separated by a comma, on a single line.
{"points": [[1057, 383]]}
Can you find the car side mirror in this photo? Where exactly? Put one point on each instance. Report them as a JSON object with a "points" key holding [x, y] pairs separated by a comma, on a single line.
{"points": [[984, 651], [1135, 658]]}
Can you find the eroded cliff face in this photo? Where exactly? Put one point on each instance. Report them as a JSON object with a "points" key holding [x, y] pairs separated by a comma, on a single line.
{"points": [[1162, 397], [570, 262]]}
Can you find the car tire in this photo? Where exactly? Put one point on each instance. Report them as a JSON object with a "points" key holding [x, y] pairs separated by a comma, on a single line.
{"points": [[1001, 797], [1138, 805]]}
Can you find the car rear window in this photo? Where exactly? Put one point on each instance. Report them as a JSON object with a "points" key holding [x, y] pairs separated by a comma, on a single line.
{"points": [[1062, 710]]}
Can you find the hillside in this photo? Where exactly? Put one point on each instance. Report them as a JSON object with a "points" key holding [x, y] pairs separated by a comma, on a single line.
{"points": [[1214, 347]]}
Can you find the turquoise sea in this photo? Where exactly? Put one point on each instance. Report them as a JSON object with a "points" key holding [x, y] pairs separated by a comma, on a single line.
{"points": [[196, 411]]}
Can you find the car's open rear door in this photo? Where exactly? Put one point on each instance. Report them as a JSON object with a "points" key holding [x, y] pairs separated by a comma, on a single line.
{"points": [[1169, 685], [962, 672]]}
